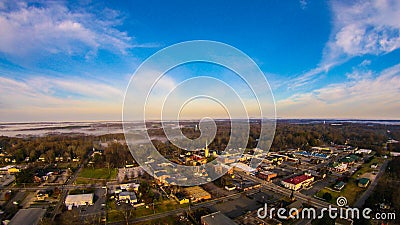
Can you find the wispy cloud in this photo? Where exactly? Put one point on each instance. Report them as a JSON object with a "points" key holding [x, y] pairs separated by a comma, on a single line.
{"points": [[359, 28], [303, 4], [41, 97], [362, 96], [53, 27]]}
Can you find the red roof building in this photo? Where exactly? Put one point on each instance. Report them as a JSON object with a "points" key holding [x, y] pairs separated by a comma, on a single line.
{"points": [[296, 183]]}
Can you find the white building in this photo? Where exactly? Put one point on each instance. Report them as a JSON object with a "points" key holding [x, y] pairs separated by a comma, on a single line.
{"points": [[79, 200]]}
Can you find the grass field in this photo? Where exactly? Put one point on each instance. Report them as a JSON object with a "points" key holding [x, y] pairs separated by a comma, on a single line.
{"points": [[102, 173], [351, 191], [117, 215]]}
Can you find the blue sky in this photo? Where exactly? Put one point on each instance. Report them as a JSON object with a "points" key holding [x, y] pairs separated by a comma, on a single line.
{"points": [[72, 60]]}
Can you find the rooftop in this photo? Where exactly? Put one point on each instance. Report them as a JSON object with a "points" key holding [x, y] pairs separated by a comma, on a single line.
{"points": [[217, 218], [29, 216], [79, 198], [298, 179]]}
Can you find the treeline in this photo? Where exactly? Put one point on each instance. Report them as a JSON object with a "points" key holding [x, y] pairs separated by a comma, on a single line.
{"points": [[287, 135], [48, 147], [303, 136], [66, 146], [116, 155], [355, 134]]}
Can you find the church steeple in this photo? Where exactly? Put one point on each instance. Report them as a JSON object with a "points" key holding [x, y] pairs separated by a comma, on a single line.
{"points": [[206, 151]]}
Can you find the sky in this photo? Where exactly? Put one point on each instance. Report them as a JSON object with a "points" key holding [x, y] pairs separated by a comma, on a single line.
{"points": [[72, 60]]}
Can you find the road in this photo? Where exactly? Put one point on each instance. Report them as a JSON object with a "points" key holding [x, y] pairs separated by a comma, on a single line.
{"points": [[64, 191], [45, 187], [360, 202]]}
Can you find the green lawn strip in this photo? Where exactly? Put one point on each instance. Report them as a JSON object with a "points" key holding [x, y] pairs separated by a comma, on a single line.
{"points": [[101, 173]]}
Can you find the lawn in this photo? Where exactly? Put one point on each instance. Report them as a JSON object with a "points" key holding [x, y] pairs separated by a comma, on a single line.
{"points": [[115, 214], [351, 191], [101, 173]]}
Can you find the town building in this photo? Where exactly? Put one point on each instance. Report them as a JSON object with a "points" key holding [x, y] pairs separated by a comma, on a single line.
{"points": [[241, 167], [267, 175], [79, 200], [298, 182]]}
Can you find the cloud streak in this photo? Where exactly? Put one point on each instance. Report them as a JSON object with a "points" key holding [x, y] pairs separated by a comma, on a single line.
{"points": [[41, 98], [52, 27], [362, 96], [369, 27]]}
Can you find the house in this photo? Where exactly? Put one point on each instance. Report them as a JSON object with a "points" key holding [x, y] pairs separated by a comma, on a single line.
{"points": [[181, 198], [216, 218], [363, 182], [79, 200], [339, 186], [128, 196], [298, 182]]}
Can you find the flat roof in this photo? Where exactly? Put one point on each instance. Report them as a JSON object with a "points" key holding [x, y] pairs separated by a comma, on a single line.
{"points": [[29, 216], [79, 198], [217, 218], [243, 167], [298, 179]]}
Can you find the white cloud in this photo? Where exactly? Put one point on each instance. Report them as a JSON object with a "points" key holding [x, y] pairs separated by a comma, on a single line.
{"points": [[53, 27], [359, 28], [361, 97], [365, 27]]}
